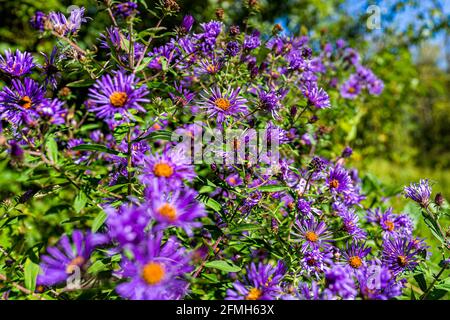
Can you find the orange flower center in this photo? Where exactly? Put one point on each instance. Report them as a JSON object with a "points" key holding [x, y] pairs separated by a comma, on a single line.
{"points": [[253, 294], [390, 225], [153, 273], [168, 211], [311, 236], [402, 261], [334, 184], [75, 263], [25, 102], [118, 99], [222, 103], [211, 68], [162, 170], [355, 262]]}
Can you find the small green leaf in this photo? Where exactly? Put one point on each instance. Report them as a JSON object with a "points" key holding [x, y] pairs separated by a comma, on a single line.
{"points": [[272, 188], [223, 265], [98, 221], [420, 278], [97, 147], [52, 149], [31, 271], [97, 267], [80, 201], [210, 203]]}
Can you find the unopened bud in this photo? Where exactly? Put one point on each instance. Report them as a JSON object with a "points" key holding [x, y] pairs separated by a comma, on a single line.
{"points": [[220, 13]]}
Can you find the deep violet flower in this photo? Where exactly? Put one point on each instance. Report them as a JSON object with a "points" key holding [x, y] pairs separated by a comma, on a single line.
{"points": [[419, 192], [313, 234], [16, 64]]}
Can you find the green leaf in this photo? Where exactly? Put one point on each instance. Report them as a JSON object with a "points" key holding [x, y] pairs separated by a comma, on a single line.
{"points": [[97, 147], [97, 267], [52, 149], [223, 265], [31, 271], [98, 221], [420, 278], [210, 203], [158, 135], [81, 83], [80, 201]]}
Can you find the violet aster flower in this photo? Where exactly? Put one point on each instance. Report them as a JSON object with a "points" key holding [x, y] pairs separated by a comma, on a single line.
{"points": [[338, 180], [177, 208], [169, 168], [52, 110], [234, 180], [126, 9], [351, 88], [313, 234], [376, 282], [347, 152], [16, 64], [15, 150], [316, 96], [306, 292], [64, 26], [68, 256], [50, 69], [156, 272], [127, 224], [252, 41], [222, 104], [18, 102], [339, 283], [350, 222], [269, 101], [117, 94], [400, 254], [38, 21], [187, 23], [354, 255], [419, 192], [260, 283], [315, 262], [233, 48]]}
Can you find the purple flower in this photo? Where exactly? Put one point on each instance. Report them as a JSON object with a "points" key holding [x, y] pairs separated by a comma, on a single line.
{"points": [[169, 168], [419, 192], [117, 94], [314, 234], [187, 23], [17, 64], [269, 101], [18, 103], [222, 104], [65, 26], [376, 282], [260, 283], [400, 254], [50, 69], [38, 21], [212, 29], [354, 255], [315, 95], [315, 262], [232, 49], [252, 41], [338, 180], [351, 88], [67, 258], [347, 152], [339, 283], [234, 180], [127, 224], [305, 292], [177, 208], [350, 224], [52, 111], [304, 206], [156, 272]]}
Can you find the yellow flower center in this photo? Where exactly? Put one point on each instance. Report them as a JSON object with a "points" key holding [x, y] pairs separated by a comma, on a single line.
{"points": [[402, 261], [75, 263], [211, 68], [222, 103], [351, 90], [334, 184], [153, 273], [168, 211], [253, 294], [311, 236], [355, 262], [118, 99], [25, 102], [390, 225], [162, 170]]}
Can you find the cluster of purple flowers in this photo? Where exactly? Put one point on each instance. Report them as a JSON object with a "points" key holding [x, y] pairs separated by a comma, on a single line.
{"points": [[155, 213]]}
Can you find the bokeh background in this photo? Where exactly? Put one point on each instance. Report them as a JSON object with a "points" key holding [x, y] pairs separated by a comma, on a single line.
{"points": [[399, 137]]}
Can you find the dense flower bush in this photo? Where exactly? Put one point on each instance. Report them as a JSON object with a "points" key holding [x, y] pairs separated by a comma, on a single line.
{"points": [[201, 166]]}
